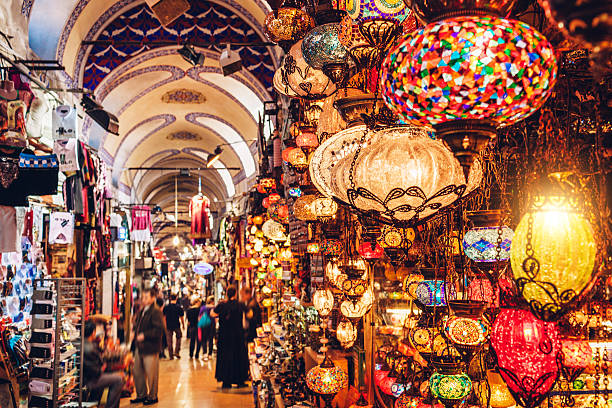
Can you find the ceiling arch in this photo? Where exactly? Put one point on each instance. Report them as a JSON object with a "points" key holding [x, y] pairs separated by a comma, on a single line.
{"points": [[171, 113]]}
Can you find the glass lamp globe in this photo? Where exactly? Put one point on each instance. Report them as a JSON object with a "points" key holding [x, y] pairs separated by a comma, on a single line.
{"points": [[307, 140], [433, 10], [324, 208], [527, 350], [406, 158], [357, 309], [302, 208], [370, 252], [450, 387], [323, 301], [295, 78], [298, 160], [321, 46], [576, 355], [331, 247], [326, 378], [346, 333], [288, 24], [273, 230], [450, 75], [433, 292], [451, 69], [500, 395], [480, 244], [562, 247]]}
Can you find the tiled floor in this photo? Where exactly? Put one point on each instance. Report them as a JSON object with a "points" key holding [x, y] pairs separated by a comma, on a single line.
{"points": [[190, 383]]}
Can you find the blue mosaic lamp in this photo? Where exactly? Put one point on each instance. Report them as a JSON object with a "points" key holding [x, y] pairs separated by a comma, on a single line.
{"points": [[321, 46], [480, 244], [432, 292]]}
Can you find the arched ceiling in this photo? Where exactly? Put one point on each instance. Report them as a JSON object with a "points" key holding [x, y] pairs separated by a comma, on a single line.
{"points": [[171, 114]]}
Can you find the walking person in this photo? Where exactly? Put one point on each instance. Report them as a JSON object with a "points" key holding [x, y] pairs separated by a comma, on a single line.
{"points": [[93, 369], [208, 331], [175, 320], [193, 317], [232, 359], [148, 332], [252, 313], [160, 303]]}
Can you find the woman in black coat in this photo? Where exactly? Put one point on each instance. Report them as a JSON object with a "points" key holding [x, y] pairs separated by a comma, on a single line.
{"points": [[232, 358]]}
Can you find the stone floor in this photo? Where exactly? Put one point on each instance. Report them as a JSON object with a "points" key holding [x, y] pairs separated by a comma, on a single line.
{"points": [[190, 383]]}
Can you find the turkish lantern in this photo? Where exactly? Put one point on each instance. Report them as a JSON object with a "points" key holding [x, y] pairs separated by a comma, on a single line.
{"points": [[553, 250], [526, 349], [500, 395], [576, 354]]}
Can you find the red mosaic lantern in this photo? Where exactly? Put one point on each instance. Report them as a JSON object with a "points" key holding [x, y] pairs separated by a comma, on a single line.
{"points": [[370, 252], [527, 351]]}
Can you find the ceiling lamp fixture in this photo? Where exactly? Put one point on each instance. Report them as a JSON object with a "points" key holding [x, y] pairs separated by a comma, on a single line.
{"points": [[402, 176], [379, 20], [296, 79], [167, 11], [230, 61], [467, 76], [212, 158], [107, 120], [190, 55], [553, 250]]}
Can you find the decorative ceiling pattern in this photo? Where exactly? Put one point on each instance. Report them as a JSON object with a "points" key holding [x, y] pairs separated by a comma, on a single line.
{"points": [[183, 96], [205, 22]]}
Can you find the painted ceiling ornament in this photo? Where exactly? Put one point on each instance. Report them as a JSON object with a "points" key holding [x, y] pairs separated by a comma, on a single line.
{"points": [[184, 136], [296, 79], [183, 96], [466, 76]]}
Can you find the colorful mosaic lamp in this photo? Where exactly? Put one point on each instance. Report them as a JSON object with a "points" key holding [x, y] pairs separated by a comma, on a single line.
{"points": [[327, 380], [379, 20], [323, 50], [480, 243], [466, 76]]}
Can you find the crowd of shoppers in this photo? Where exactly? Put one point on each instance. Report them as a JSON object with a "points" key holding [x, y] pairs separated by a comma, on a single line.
{"points": [[232, 322]]}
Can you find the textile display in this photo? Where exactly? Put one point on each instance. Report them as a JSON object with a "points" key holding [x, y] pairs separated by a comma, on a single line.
{"points": [[61, 228], [199, 212], [141, 223], [67, 152], [64, 122]]}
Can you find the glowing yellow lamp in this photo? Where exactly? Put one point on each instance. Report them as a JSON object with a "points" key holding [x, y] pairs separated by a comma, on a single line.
{"points": [[552, 254]]}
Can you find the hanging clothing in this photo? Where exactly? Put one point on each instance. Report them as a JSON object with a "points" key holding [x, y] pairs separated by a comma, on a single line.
{"points": [[141, 223], [39, 173], [64, 122], [8, 229], [199, 211], [67, 151], [12, 120], [61, 228]]}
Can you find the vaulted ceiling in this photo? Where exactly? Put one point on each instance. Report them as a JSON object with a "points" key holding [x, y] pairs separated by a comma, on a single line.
{"points": [[171, 114]]}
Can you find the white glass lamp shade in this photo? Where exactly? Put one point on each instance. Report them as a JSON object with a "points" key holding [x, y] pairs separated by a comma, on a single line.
{"points": [[323, 301], [295, 78], [403, 157]]}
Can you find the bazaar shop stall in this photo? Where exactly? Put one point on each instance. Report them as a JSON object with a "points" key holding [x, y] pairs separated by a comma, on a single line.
{"points": [[438, 191], [54, 240]]}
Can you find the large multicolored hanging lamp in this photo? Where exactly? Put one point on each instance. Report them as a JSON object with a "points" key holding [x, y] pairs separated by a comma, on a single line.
{"points": [[295, 78], [466, 329], [467, 76], [553, 249], [526, 350]]}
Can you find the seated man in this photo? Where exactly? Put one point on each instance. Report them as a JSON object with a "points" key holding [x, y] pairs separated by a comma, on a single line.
{"points": [[93, 369]]}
